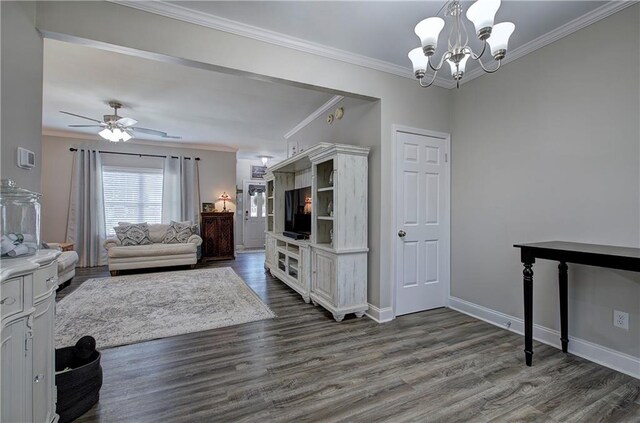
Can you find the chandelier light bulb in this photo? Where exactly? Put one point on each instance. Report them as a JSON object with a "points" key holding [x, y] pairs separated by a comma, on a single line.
{"points": [[482, 13], [499, 40], [419, 61], [428, 31]]}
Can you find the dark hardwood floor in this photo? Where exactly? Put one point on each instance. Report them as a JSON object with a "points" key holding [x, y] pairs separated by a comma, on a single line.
{"points": [[436, 366]]}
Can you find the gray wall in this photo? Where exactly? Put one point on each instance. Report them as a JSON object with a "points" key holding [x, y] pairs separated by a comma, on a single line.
{"points": [[545, 149], [402, 101], [217, 171], [21, 117], [359, 126]]}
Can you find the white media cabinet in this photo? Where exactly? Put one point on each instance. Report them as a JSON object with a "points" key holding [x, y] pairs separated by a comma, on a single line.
{"points": [[330, 268]]}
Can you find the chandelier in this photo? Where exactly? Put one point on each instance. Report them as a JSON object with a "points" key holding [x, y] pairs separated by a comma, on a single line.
{"points": [[481, 14]]}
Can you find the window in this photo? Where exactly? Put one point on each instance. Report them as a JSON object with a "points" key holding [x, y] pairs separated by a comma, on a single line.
{"points": [[131, 195], [258, 201]]}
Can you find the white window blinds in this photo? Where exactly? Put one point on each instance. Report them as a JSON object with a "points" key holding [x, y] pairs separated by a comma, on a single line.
{"points": [[131, 195]]}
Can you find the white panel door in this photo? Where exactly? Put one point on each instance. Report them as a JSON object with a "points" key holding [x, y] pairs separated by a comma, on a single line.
{"points": [[422, 222], [255, 214]]}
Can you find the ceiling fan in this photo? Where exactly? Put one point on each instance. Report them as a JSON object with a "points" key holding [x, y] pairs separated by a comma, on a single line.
{"points": [[117, 128]]}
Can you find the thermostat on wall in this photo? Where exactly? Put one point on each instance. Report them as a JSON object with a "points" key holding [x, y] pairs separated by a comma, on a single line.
{"points": [[26, 158]]}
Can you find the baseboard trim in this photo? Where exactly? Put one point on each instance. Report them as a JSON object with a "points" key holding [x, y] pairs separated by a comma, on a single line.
{"points": [[615, 360], [380, 315]]}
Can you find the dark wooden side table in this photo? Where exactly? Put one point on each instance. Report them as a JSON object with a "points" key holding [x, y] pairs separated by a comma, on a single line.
{"points": [[217, 236], [612, 257]]}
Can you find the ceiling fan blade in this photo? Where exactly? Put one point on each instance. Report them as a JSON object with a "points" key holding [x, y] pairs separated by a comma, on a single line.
{"points": [[83, 117], [153, 132], [125, 121], [85, 126], [148, 131]]}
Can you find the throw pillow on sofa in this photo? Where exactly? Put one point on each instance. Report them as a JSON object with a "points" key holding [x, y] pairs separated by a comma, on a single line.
{"points": [[179, 232], [133, 234]]}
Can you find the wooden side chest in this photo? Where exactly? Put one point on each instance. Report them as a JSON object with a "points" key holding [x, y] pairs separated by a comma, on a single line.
{"points": [[217, 236]]}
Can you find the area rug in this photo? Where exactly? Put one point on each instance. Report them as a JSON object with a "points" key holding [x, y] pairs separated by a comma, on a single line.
{"points": [[128, 309]]}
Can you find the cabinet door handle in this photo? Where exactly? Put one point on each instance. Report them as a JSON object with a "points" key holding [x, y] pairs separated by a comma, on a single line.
{"points": [[27, 337], [8, 301], [38, 378], [53, 279]]}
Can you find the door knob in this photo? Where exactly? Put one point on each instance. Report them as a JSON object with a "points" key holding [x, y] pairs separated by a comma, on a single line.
{"points": [[401, 233]]}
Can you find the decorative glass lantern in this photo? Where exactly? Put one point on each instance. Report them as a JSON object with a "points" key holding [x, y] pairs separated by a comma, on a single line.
{"points": [[19, 220]]}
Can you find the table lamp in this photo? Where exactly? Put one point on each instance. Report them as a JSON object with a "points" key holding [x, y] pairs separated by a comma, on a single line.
{"points": [[224, 197]]}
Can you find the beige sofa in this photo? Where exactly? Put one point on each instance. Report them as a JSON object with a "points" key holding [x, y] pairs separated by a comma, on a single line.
{"points": [[153, 255], [66, 265]]}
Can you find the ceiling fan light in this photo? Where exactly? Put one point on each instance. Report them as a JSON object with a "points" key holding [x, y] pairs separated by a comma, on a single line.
{"points": [[419, 61], [499, 40], [482, 13], [126, 136], [105, 133]]}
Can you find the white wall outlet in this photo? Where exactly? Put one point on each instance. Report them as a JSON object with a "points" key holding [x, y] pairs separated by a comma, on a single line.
{"points": [[621, 319]]}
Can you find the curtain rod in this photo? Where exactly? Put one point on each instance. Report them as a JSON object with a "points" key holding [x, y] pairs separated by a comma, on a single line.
{"points": [[137, 154]]}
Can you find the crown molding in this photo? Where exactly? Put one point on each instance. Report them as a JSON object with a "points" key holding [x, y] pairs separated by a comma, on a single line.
{"points": [[569, 28], [313, 116], [184, 14], [88, 137], [207, 20]]}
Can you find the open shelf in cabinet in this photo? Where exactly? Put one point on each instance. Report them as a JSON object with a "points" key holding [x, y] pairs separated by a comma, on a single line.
{"points": [[324, 230], [325, 175]]}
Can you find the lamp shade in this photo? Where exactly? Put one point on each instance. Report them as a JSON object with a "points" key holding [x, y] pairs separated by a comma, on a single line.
{"points": [[105, 133], [499, 39], [418, 59], [126, 136], [428, 31], [461, 66], [224, 196], [482, 14]]}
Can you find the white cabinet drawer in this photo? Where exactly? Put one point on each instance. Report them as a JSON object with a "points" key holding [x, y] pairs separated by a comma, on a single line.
{"points": [[45, 279], [12, 301]]}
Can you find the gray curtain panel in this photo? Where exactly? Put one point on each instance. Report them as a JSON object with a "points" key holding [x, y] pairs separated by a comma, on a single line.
{"points": [[85, 220], [181, 190]]}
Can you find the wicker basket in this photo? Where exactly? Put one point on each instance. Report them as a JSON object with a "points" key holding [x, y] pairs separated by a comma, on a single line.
{"points": [[78, 388]]}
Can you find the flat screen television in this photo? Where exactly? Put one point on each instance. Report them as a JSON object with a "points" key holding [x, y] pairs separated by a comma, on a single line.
{"points": [[296, 218]]}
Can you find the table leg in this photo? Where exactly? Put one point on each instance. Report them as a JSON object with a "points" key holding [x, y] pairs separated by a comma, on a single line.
{"points": [[527, 279], [564, 305]]}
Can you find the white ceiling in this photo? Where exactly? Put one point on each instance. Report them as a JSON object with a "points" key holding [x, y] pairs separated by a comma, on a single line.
{"points": [[201, 106], [381, 30], [232, 112]]}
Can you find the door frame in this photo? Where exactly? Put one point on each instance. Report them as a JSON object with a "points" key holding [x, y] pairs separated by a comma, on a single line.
{"points": [[245, 205], [395, 129]]}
